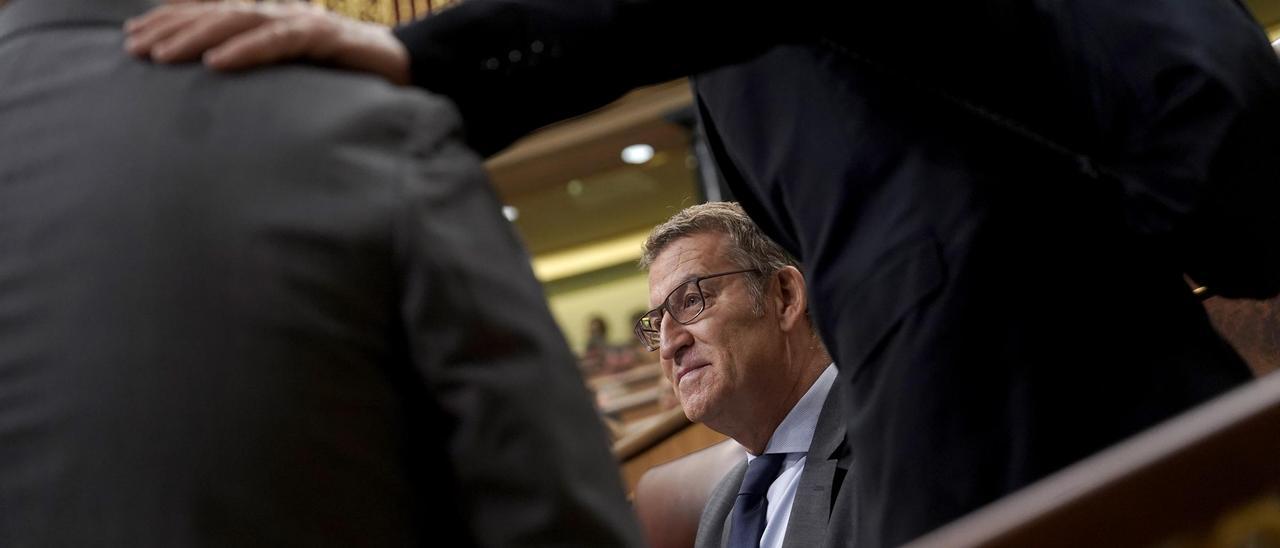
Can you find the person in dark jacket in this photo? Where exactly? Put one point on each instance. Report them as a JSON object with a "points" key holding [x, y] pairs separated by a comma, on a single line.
{"points": [[234, 315], [996, 201]]}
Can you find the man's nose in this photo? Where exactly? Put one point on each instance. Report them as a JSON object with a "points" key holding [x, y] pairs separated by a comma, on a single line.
{"points": [[673, 336]]}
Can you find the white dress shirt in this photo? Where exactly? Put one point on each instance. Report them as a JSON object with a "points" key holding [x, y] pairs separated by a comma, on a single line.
{"points": [[793, 437]]}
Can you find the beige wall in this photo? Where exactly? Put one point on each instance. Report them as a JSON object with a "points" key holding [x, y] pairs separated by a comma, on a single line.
{"points": [[1267, 11], [614, 293]]}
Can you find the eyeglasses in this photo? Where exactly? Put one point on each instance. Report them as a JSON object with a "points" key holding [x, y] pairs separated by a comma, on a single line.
{"points": [[684, 304]]}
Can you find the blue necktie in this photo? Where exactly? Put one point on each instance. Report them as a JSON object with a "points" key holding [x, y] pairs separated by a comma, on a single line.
{"points": [[747, 521]]}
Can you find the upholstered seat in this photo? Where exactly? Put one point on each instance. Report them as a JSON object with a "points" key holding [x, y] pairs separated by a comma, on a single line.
{"points": [[669, 497]]}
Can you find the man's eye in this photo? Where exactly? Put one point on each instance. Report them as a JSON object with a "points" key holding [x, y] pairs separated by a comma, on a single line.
{"points": [[691, 300]]}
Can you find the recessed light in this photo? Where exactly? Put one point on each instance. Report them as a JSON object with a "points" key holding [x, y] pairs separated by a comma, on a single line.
{"points": [[637, 154], [510, 212]]}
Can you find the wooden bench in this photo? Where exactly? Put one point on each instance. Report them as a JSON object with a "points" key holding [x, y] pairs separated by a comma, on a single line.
{"points": [[1179, 480]]}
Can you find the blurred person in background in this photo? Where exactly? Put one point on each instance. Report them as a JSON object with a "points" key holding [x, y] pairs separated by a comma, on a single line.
{"points": [[593, 354]]}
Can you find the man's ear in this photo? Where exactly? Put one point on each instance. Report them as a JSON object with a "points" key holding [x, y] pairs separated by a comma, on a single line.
{"points": [[790, 298]]}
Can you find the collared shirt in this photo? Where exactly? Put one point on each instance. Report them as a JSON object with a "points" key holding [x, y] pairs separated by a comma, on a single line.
{"points": [[793, 437]]}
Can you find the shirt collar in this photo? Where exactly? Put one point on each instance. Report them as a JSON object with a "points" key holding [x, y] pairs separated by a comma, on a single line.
{"points": [[795, 433]]}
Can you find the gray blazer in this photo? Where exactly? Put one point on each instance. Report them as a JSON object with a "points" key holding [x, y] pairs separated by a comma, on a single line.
{"points": [[277, 308], [822, 496]]}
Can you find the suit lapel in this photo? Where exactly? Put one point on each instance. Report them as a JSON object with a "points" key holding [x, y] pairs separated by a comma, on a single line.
{"points": [[713, 528], [824, 471]]}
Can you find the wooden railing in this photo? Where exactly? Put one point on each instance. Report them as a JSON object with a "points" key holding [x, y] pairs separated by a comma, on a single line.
{"points": [[1209, 477], [670, 438]]}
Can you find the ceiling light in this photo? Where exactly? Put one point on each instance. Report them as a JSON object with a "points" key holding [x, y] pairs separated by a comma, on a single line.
{"points": [[637, 154], [510, 212]]}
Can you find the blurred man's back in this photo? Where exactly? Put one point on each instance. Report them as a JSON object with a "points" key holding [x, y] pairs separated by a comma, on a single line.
{"points": [[232, 313]]}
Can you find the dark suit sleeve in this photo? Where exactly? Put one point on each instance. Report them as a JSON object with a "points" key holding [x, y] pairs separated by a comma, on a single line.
{"points": [[1192, 104], [515, 65], [528, 456]]}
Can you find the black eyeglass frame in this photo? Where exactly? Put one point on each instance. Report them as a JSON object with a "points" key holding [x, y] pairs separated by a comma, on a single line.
{"points": [[641, 331]]}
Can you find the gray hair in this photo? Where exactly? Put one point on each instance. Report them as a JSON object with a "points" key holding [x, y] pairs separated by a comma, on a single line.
{"points": [[749, 248]]}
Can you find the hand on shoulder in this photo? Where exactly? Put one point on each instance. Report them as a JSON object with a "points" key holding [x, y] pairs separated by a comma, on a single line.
{"points": [[237, 36]]}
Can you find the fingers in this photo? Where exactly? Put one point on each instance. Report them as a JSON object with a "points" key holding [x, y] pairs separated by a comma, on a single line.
{"points": [[278, 41], [146, 32], [177, 33], [241, 36], [231, 35], [134, 24], [146, 27], [148, 21], [192, 40]]}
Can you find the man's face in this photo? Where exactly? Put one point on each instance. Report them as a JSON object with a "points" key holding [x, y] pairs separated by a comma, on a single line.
{"points": [[730, 357]]}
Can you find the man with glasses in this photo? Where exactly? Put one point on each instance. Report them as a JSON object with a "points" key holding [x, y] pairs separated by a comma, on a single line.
{"points": [[730, 321]]}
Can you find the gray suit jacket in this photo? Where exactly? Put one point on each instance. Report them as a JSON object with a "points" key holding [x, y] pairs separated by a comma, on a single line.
{"points": [[823, 494], [277, 308]]}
